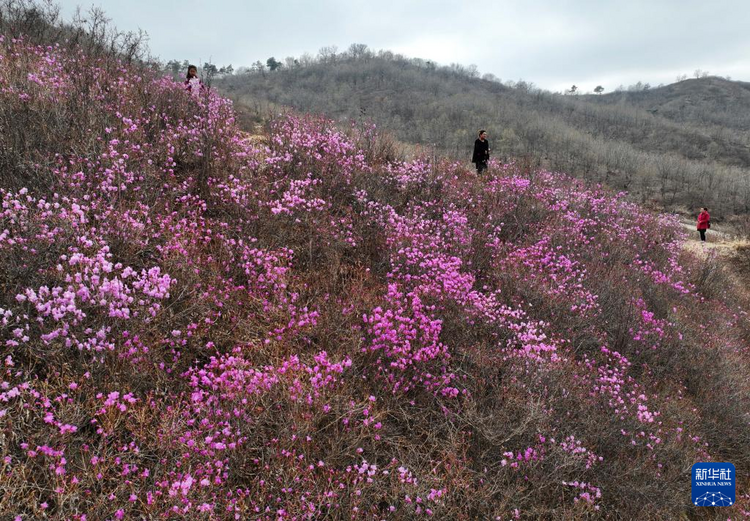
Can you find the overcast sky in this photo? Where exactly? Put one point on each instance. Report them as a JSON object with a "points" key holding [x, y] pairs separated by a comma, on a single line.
{"points": [[552, 43]]}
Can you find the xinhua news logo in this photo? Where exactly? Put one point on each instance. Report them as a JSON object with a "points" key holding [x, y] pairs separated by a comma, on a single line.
{"points": [[713, 484]]}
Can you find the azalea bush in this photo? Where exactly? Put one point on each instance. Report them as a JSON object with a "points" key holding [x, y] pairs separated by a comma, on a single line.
{"points": [[198, 325]]}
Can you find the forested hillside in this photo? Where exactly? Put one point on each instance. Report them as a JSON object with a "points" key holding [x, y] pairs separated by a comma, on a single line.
{"points": [[707, 102], [679, 146]]}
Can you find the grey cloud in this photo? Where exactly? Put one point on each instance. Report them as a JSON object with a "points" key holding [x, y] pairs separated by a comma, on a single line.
{"points": [[551, 43]]}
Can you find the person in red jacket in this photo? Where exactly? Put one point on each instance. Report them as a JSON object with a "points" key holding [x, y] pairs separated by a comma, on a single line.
{"points": [[704, 223]]}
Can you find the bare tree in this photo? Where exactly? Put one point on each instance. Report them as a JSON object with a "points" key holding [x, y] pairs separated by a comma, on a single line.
{"points": [[358, 51], [328, 54]]}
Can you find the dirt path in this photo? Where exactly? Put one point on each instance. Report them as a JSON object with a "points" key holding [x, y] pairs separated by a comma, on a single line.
{"points": [[722, 248], [717, 241]]}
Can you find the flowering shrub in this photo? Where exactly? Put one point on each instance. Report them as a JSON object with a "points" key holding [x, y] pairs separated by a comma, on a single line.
{"points": [[195, 325]]}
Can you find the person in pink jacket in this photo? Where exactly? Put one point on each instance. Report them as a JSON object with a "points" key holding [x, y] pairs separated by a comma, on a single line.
{"points": [[704, 223]]}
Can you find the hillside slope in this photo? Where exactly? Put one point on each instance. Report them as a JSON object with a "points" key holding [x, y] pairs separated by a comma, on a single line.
{"points": [[703, 101], [199, 325], [676, 162]]}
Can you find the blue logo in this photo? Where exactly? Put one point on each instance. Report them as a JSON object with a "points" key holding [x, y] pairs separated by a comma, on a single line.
{"points": [[713, 484]]}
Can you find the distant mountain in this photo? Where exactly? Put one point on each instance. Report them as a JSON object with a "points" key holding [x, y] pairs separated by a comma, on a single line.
{"points": [[679, 146], [705, 101]]}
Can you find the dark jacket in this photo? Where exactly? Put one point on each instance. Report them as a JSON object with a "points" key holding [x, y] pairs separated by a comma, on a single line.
{"points": [[481, 151]]}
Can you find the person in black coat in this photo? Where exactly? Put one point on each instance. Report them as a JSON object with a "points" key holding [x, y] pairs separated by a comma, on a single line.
{"points": [[481, 152]]}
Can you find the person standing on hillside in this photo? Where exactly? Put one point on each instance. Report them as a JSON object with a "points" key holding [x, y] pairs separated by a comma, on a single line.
{"points": [[193, 83], [704, 223], [481, 152]]}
